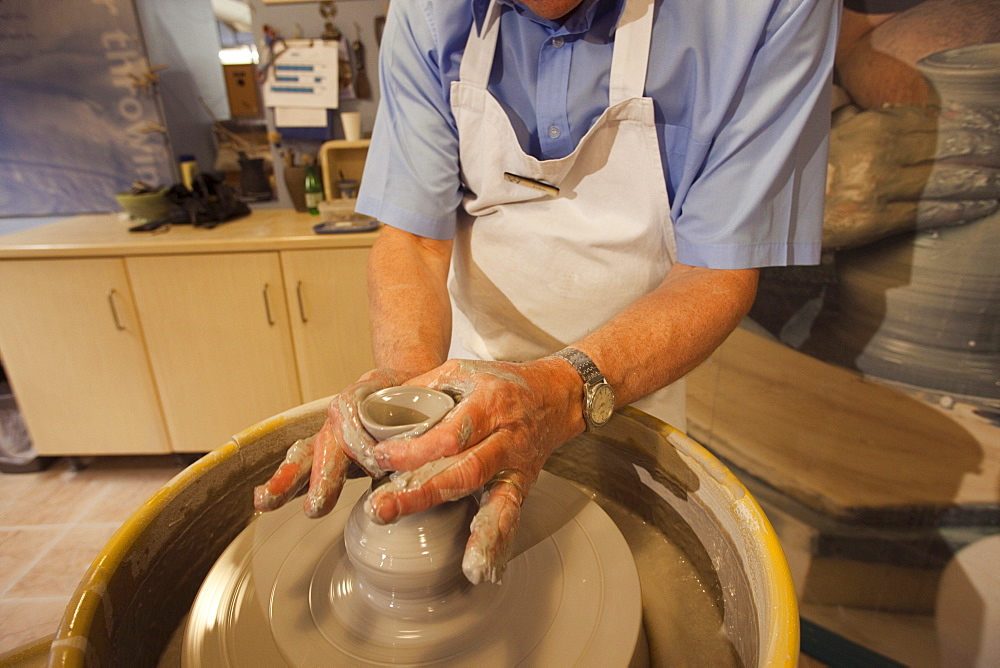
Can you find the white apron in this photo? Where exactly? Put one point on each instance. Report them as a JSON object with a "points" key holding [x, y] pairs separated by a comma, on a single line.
{"points": [[534, 272]]}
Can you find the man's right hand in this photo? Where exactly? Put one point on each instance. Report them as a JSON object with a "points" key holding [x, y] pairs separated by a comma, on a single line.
{"points": [[324, 459]]}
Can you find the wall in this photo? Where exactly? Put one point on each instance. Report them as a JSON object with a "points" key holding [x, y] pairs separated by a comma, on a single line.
{"points": [[183, 35]]}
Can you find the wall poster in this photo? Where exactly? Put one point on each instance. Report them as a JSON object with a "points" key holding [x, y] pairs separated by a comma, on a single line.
{"points": [[79, 114]]}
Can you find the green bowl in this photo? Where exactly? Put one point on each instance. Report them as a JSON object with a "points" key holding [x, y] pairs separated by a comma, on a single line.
{"points": [[145, 206]]}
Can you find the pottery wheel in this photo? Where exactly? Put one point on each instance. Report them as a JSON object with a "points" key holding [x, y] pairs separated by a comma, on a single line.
{"points": [[285, 593]]}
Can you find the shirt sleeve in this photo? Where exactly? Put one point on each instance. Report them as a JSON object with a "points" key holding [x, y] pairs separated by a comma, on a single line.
{"points": [[753, 193], [880, 6], [411, 178]]}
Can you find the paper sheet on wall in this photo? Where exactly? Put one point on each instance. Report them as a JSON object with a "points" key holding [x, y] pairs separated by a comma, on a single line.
{"points": [[304, 75], [300, 117]]}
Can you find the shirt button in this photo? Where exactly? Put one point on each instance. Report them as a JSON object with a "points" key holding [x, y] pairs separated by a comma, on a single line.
{"points": [[554, 132], [558, 42]]}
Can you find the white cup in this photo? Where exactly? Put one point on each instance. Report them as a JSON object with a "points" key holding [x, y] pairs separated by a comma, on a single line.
{"points": [[351, 120]]}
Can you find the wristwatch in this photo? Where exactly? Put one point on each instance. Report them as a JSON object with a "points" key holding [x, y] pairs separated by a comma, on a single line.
{"points": [[598, 395]]}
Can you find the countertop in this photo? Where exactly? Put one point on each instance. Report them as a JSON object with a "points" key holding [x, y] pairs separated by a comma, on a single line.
{"points": [[107, 235]]}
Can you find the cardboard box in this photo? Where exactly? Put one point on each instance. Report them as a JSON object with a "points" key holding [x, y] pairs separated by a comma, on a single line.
{"points": [[242, 90]]}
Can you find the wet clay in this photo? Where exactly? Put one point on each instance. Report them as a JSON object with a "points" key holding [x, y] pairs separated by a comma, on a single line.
{"points": [[285, 592], [681, 616], [403, 411], [396, 416], [684, 626], [144, 583], [692, 581]]}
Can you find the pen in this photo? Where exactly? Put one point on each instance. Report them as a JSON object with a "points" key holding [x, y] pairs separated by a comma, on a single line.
{"points": [[531, 183]]}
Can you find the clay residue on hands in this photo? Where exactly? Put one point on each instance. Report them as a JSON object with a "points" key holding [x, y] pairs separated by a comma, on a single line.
{"points": [[329, 470], [357, 439], [465, 433], [408, 482], [324, 458], [472, 367], [491, 537], [510, 416], [288, 479]]}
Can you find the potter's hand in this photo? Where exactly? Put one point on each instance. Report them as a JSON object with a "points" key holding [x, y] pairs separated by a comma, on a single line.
{"points": [[323, 460], [907, 167], [508, 420]]}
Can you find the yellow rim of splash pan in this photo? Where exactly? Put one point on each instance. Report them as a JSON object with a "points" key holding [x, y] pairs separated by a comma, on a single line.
{"points": [[135, 594]]}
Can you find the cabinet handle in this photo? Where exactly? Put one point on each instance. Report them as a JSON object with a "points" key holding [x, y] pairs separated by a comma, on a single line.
{"points": [[302, 308], [267, 305], [114, 309]]}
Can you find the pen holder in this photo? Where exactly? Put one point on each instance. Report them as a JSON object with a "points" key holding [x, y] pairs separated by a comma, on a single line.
{"points": [[348, 188]]}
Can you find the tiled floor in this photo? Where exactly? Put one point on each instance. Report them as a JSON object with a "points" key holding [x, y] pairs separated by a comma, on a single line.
{"points": [[52, 525]]}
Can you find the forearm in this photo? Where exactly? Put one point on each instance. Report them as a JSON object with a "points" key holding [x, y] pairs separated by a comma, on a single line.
{"points": [[408, 300], [877, 54], [670, 331]]}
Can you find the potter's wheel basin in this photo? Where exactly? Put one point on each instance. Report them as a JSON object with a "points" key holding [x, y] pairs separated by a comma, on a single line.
{"points": [[289, 591], [141, 586]]}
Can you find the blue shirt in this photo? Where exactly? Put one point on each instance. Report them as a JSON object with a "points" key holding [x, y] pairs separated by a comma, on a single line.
{"points": [[741, 95]]}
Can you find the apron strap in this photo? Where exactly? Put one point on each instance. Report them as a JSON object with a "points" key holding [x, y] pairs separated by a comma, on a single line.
{"points": [[477, 61], [631, 53]]}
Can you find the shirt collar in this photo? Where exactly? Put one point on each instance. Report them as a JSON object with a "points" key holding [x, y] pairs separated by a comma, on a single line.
{"points": [[579, 22]]}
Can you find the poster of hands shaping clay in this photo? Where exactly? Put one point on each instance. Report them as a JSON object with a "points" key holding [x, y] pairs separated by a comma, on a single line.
{"points": [[79, 116]]}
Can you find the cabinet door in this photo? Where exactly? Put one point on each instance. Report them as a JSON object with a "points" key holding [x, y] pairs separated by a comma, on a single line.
{"points": [[328, 298], [217, 331], [73, 348]]}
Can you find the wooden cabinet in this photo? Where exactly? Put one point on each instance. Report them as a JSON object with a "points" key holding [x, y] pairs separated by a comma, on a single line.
{"points": [[126, 343], [328, 304], [73, 348], [217, 330]]}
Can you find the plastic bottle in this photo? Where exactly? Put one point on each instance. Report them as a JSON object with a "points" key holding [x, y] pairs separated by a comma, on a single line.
{"points": [[189, 170], [314, 191]]}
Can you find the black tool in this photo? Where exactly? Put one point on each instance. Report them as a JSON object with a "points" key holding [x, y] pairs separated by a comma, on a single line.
{"points": [[362, 88], [351, 223]]}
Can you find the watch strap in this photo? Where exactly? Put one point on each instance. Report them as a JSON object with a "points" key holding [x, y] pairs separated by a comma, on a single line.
{"points": [[582, 363]]}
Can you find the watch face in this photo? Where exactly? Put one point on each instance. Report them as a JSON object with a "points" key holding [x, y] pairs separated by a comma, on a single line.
{"points": [[602, 404]]}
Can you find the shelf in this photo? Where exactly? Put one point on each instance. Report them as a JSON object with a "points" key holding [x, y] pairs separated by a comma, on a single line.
{"points": [[341, 157]]}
